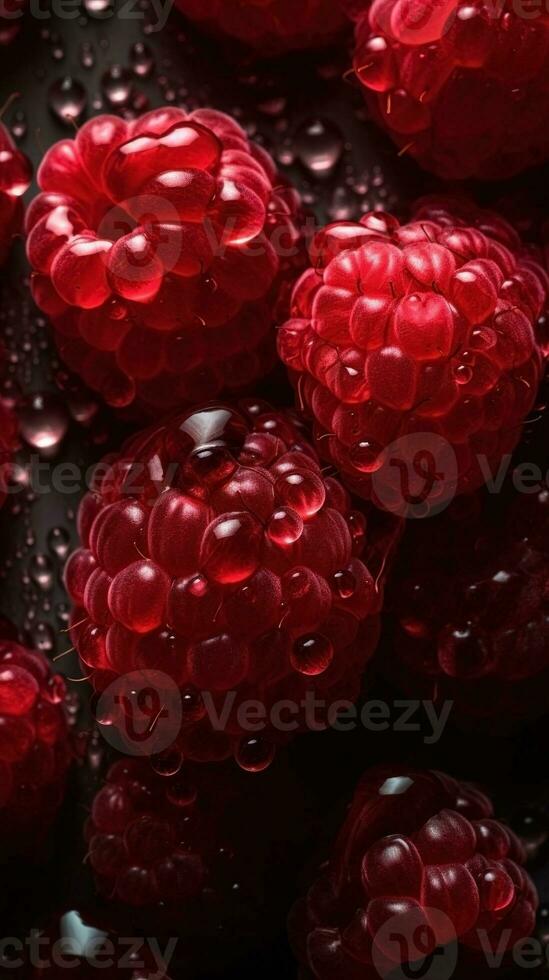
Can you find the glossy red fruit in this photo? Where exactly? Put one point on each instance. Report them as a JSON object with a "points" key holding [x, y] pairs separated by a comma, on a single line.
{"points": [[269, 27], [215, 550], [161, 249], [35, 751], [420, 863], [474, 628], [459, 86], [413, 347], [15, 178]]}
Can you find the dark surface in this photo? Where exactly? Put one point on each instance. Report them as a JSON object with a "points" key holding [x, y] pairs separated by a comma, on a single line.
{"points": [[274, 102]]}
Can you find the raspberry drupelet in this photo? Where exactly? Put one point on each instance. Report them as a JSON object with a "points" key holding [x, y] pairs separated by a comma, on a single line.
{"points": [[15, 179], [162, 250], [415, 343], [420, 863], [215, 550], [269, 27], [474, 629], [35, 750], [459, 86]]}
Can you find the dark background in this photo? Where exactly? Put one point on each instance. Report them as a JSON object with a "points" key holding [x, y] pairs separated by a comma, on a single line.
{"points": [[55, 64]]}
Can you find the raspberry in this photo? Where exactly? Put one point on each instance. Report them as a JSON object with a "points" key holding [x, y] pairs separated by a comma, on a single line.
{"points": [[160, 248], [151, 840], [413, 348], [420, 862], [196, 850], [15, 178], [459, 86], [269, 27], [475, 628], [214, 549], [34, 746]]}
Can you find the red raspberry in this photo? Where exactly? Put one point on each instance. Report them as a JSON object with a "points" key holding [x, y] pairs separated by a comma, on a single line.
{"points": [[270, 27], [216, 550], [159, 248], [474, 629], [460, 86], [153, 839], [34, 746], [15, 178], [413, 348], [419, 863]]}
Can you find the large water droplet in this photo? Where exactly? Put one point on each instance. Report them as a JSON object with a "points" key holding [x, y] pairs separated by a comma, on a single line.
{"points": [[59, 542], [67, 99], [116, 85], [44, 422], [98, 8], [319, 146], [41, 572]]}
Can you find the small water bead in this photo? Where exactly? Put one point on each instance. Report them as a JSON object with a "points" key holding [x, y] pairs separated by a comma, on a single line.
{"points": [[43, 637], [463, 374], [344, 583], [59, 542], [255, 754], [87, 55], [167, 763], [67, 99], [312, 654], [367, 456], [19, 125], [117, 86], [41, 572], [285, 527], [182, 790], [141, 59], [319, 146]]}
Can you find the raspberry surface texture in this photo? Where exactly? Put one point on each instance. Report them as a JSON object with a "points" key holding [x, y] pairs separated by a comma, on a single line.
{"points": [[420, 863], [215, 550], [413, 347], [161, 249], [269, 27], [459, 86], [35, 751], [15, 178], [474, 628]]}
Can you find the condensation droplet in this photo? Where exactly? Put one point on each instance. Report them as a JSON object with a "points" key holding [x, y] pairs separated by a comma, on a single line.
{"points": [[319, 145], [67, 99]]}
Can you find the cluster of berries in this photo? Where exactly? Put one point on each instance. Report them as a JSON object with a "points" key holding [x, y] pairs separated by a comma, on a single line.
{"points": [[219, 560]]}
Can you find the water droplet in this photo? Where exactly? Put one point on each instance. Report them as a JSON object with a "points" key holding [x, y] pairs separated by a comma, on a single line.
{"points": [[42, 637], [59, 542], [41, 572], [87, 55], [98, 8], [141, 59], [44, 423], [116, 85], [319, 146], [67, 99]]}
